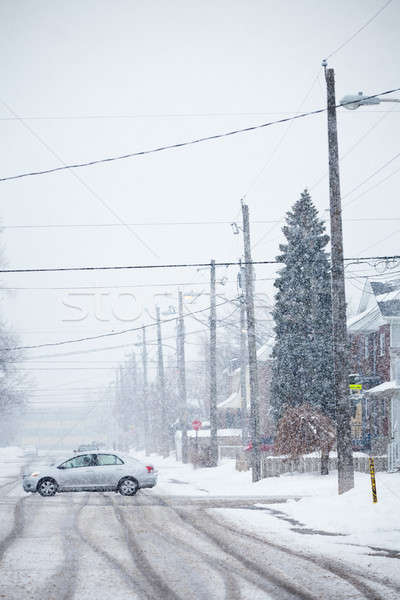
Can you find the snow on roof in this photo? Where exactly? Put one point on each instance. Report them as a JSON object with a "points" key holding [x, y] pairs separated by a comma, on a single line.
{"points": [[386, 386], [384, 287], [265, 352], [233, 401], [389, 303], [385, 297], [368, 320]]}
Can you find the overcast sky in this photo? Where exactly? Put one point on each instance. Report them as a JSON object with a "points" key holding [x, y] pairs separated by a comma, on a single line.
{"points": [[87, 80]]}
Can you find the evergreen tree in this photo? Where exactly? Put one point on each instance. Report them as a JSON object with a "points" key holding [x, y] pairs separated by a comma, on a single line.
{"points": [[303, 353]]}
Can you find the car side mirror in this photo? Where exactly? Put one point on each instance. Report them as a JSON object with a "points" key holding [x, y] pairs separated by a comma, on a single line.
{"points": [[61, 467]]}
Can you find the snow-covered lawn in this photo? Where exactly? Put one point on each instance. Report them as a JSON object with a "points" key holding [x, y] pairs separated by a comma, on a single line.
{"points": [[348, 527], [11, 461]]}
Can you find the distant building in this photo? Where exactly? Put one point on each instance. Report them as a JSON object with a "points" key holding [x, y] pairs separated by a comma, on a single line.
{"points": [[229, 410]]}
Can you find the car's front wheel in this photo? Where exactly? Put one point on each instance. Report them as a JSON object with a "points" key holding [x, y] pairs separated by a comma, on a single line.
{"points": [[128, 486], [47, 487]]}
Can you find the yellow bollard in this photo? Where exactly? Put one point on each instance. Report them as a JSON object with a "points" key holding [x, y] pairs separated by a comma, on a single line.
{"points": [[373, 482]]}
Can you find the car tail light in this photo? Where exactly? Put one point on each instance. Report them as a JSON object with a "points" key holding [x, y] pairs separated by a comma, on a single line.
{"points": [[150, 469]]}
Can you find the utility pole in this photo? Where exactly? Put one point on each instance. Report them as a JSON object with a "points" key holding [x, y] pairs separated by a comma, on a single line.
{"points": [[341, 369], [213, 370], [146, 423], [252, 349], [180, 342], [243, 361], [164, 434], [134, 398]]}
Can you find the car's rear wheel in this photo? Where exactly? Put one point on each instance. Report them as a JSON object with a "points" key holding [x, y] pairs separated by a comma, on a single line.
{"points": [[128, 486], [47, 486]]}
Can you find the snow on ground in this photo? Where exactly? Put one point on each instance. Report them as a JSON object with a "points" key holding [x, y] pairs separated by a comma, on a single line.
{"points": [[314, 518]]}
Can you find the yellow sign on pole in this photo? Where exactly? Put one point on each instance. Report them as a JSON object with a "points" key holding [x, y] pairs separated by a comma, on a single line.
{"points": [[373, 482], [355, 386]]}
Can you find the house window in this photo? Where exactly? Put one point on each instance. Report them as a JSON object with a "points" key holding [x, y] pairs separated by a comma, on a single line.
{"points": [[366, 347], [382, 344]]}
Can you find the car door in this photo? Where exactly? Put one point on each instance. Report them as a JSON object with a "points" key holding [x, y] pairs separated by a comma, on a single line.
{"points": [[77, 473], [108, 471]]}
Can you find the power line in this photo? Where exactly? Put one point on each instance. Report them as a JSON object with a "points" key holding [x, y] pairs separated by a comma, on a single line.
{"points": [[377, 184], [360, 29], [109, 334], [167, 266], [87, 187], [181, 144], [166, 223], [388, 162], [350, 150]]}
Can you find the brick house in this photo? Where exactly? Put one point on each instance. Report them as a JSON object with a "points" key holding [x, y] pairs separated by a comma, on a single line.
{"points": [[374, 336]]}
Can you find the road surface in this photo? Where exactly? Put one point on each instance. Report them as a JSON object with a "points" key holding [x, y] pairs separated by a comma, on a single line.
{"points": [[92, 546]]}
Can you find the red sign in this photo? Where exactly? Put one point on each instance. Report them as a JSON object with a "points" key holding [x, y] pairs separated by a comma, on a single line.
{"points": [[196, 425]]}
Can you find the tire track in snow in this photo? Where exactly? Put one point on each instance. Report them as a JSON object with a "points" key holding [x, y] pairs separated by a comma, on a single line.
{"points": [[272, 581], [330, 565], [17, 528], [158, 586], [232, 588], [126, 575]]}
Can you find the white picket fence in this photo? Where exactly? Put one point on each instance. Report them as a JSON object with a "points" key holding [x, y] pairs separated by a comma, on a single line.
{"points": [[272, 466]]}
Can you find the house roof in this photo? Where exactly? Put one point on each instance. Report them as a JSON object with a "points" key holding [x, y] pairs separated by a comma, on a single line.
{"points": [[379, 303], [265, 352], [233, 401], [387, 387], [368, 320]]}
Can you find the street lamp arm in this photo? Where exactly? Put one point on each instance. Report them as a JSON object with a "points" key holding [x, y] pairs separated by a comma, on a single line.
{"points": [[390, 100], [354, 101]]}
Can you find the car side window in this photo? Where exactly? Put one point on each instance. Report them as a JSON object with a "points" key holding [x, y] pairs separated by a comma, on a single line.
{"points": [[84, 460], [108, 459]]}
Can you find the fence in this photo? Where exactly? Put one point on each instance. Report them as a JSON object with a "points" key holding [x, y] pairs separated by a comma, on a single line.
{"points": [[228, 451], [272, 466], [394, 455]]}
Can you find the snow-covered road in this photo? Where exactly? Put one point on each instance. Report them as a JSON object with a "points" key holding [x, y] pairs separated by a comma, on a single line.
{"points": [[158, 546]]}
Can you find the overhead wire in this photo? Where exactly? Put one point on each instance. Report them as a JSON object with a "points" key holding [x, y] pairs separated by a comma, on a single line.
{"points": [[348, 152], [109, 159], [165, 223], [165, 266], [388, 162], [360, 29], [109, 334], [88, 188]]}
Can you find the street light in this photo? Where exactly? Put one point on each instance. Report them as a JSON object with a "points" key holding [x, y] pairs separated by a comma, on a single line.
{"points": [[354, 101]]}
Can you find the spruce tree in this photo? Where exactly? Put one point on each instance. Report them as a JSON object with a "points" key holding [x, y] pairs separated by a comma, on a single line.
{"points": [[303, 353]]}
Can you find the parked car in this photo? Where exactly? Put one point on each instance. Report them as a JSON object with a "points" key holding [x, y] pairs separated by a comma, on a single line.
{"points": [[87, 448], [30, 451], [266, 445], [92, 472]]}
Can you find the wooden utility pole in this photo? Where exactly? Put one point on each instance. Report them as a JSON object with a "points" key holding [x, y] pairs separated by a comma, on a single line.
{"points": [[341, 368], [180, 342], [243, 358], [254, 424], [146, 421], [213, 370], [163, 433]]}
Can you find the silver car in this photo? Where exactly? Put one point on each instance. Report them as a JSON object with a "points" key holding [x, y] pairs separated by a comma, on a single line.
{"points": [[99, 471]]}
